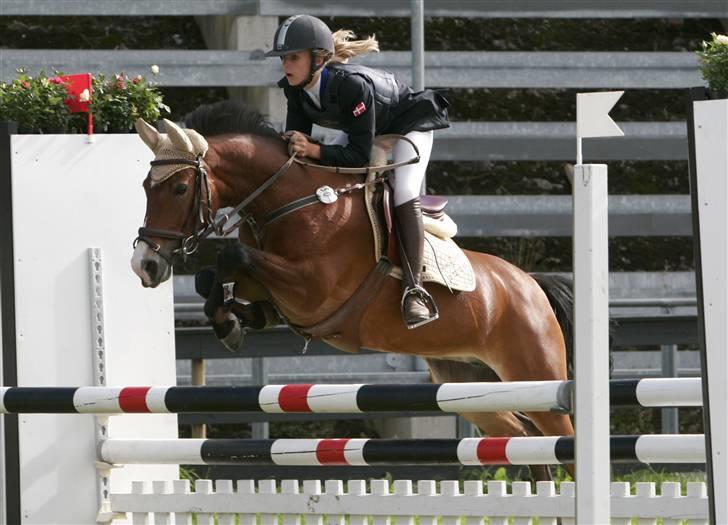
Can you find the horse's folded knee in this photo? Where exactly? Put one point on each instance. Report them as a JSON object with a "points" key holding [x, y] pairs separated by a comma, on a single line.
{"points": [[204, 280], [260, 315], [214, 300], [231, 259]]}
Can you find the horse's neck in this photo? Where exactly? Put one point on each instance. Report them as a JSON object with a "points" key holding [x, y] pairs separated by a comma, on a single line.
{"points": [[329, 244], [244, 164]]}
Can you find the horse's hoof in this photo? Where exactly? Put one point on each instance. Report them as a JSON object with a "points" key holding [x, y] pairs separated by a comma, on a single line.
{"points": [[231, 336], [234, 340]]}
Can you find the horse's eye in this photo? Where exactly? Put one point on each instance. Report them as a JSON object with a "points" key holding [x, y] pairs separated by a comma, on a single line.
{"points": [[180, 189]]}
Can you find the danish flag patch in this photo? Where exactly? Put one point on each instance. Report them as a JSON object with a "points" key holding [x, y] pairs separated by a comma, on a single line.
{"points": [[359, 109]]}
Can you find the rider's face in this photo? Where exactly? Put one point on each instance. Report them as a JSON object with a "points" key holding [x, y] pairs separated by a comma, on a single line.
{"points": [[296, 66]]}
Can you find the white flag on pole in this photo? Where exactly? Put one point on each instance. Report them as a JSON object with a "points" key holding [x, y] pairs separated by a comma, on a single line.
{"points": [[592, 117]]}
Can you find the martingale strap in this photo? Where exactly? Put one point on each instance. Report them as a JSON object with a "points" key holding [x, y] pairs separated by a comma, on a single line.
{"points": [[343, 325], [313, 199]]}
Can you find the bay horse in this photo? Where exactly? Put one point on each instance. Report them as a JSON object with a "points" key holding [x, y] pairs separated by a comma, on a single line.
{"points": [[309, 262]]}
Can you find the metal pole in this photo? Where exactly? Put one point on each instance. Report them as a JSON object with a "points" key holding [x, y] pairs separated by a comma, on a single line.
{"points": [[418, 54], [260, 377], [418, 44], [199, 430], [465, 429], [669, 369]]}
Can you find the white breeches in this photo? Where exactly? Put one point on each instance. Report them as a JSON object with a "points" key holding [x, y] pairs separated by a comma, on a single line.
{"points": [[407, 180]]}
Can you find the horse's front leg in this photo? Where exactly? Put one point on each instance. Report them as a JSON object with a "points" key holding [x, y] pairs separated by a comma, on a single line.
{"points": [[271, 274], [245, 305], [251, 275]]}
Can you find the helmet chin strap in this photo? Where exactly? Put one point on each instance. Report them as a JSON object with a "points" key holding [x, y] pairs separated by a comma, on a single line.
{"points": [[312, 71]]}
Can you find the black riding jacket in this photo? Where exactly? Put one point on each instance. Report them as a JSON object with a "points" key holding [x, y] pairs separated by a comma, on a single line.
{"points": [[363, 102]]}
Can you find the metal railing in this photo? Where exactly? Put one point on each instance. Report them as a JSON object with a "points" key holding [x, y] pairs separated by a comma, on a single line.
{"points": [[454, 69], [551, 215], [370, 8]]}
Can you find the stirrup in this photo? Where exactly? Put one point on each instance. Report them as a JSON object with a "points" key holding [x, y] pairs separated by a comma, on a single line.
{"points": [[426, 298]]}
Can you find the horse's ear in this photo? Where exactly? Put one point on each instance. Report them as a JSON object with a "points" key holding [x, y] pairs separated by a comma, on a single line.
{"points": [[178, 137], [147, 132], [198, 142]]}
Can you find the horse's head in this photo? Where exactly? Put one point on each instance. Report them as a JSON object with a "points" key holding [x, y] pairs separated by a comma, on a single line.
{"points": [[179, 200]]}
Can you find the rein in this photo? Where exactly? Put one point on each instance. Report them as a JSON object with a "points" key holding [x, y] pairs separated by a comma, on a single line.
{"points": [[202, 206]]}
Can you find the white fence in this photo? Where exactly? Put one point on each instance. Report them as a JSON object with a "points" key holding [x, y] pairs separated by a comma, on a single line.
{"points": [[163, 502]]}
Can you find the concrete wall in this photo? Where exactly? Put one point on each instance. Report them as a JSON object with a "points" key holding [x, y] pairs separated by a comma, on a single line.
{"points": [[252, 35]]}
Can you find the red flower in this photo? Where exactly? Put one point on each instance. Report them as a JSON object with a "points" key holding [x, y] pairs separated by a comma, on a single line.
{"points": [[25, 84], [137, 79], [55, 80]]}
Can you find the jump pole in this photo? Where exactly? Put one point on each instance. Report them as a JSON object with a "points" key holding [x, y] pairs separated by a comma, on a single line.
{"points": [[541, 450], [529, 396]]}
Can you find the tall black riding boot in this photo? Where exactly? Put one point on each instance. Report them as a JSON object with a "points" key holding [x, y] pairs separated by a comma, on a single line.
{"points": [[418, 307]]}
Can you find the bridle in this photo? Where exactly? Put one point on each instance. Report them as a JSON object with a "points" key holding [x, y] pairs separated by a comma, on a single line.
{"points": [[202, 208]]}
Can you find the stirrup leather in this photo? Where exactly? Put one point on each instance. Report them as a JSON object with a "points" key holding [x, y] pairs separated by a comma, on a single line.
{"points": [[426, 298]]}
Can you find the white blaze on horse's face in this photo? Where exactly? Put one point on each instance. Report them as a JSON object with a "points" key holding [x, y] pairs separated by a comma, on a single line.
{"points": [[170, 194], [149, 266]]}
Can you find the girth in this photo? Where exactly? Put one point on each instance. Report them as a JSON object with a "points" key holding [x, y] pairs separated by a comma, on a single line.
{"points": [[343, 326]]}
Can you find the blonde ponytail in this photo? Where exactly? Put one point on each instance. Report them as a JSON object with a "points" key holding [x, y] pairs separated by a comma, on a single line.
{"points": [[345, 47]]}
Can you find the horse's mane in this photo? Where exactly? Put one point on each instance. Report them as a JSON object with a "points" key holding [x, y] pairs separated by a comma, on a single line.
{"points": [[229, 116]]}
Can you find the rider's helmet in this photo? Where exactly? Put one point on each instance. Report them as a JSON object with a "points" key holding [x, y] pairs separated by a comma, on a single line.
{"points": [[301, 32]]}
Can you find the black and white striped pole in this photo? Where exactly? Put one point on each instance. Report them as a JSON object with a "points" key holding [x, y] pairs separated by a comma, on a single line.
{"points": [[542, 450], [526, 396]]}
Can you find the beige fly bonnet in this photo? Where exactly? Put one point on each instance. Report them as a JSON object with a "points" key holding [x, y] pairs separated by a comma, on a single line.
{"points": [[177, 143]]}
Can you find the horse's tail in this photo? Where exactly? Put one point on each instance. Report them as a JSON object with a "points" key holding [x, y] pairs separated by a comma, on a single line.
{"points": [[560, 293]]}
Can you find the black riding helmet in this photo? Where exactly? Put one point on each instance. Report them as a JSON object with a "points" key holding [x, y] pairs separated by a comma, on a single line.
{"points": [[301, 32]]}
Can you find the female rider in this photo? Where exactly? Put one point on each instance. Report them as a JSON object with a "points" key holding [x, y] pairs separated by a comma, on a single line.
{"points": [[362, 102]]}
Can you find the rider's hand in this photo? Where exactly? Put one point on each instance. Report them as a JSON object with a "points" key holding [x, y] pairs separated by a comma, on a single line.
{"points": [[299, 144]]}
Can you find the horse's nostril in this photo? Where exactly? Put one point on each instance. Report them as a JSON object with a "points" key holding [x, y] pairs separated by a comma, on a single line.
{"points": [[150, 268]]}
